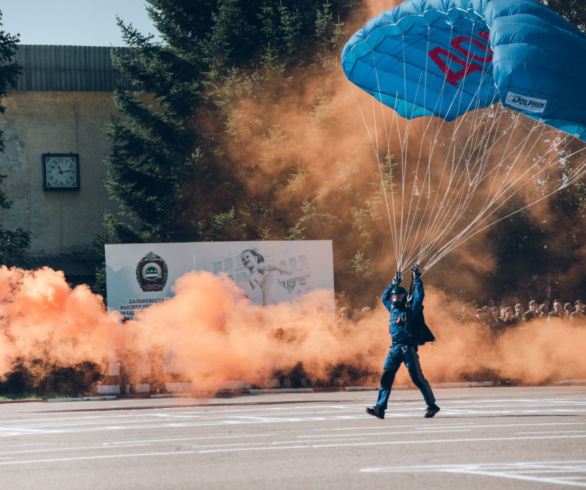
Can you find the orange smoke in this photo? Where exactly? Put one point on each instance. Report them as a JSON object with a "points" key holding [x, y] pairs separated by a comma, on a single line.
{"points": [[539, 351], [303, 146], [42, 317], [216, 335]]}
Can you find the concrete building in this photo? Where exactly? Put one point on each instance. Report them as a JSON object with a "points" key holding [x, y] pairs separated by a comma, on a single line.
{"points": [[59, 106]]}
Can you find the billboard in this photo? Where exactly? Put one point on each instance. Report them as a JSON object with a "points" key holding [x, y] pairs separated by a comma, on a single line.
{"points": [[268, 272]]}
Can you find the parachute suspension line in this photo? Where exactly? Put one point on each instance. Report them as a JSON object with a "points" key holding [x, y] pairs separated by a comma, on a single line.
{"points": [[373, 137], [430, 235], [395, 237], [517, 183], [504, 180], [498, 183], [414, 192], [465, 175], [470, 113], [516, 188], [461, 236], [409, 219], [503, 190], [456, 240], [445, 173], [397, 224], [577, 175], [462, 179], [467, 180], [416, 220], [374, 145], [446, 176], [389, 171], [488, 148], [403, 144], [419, 258], [393, 183], [538, 167], [471, 170]]}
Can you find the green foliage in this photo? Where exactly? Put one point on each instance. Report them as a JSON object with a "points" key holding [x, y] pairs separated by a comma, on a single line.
{"points": [[9, 70], [12, 242], [362, 265], [246, 33], [167, 170], [518, 244], [42, 378], [390, 171], [572, 10], [164, 169], [327, 30], [155, 147]]}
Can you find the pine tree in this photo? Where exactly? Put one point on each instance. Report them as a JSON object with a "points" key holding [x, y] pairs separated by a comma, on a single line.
{"points": [[157, 161], [167, 170], [12, 242], [164, 170]]}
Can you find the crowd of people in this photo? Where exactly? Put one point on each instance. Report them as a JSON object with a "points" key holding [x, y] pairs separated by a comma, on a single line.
{"points": [[498, 317], [508, 315]]}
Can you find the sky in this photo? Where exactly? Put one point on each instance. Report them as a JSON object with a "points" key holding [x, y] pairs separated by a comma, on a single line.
{"points": [[73, 22]]}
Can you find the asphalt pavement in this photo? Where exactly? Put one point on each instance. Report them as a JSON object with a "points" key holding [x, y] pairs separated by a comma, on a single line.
{"points": [[483, 438]]}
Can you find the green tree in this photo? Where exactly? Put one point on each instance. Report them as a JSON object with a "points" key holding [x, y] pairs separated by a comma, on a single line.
{"points": [[171, 180], [246, 32], [12, 242], [158, 164]]}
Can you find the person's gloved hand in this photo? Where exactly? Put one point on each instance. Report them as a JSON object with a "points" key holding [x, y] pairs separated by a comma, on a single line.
{"points": [[397, 279], [415, 270]]}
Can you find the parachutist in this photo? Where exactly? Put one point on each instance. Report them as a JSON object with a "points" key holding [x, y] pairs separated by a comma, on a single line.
{"points": [[408, 331]]}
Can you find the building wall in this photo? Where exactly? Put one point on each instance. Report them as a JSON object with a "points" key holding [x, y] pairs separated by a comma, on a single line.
{"points": [[38, 122]]}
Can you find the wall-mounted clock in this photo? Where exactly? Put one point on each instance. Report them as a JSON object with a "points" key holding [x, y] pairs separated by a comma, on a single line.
{"points": [[60, 172]]}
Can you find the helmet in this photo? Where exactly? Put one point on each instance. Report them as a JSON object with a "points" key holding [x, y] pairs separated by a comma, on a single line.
{"points": [[399, 290]]}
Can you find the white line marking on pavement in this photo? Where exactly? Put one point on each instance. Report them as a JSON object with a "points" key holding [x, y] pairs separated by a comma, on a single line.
{"points": [[529, 471], [279, 445], [94, 457], [394, 443], [436, 424]]}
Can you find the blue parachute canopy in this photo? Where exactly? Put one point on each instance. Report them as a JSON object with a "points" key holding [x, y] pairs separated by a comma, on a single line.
{"points": [[447, 57]]}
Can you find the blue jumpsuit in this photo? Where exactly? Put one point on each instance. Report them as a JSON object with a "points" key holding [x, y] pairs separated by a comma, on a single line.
{"points": [[402, 349]]}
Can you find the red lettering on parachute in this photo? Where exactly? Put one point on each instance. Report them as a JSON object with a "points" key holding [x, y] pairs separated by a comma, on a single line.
{"points": [[437, 55], [457, 44], [452, 76]]}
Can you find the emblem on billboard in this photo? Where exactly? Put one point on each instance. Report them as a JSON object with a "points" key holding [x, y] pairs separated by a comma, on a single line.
{"points": [[151, 273]]}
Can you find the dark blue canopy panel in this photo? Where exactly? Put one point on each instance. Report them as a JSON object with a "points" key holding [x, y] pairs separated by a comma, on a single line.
{"points": [[446, 57]]}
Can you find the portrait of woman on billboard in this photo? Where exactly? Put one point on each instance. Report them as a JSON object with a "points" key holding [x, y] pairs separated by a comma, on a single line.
{"points": [[263, 286]]}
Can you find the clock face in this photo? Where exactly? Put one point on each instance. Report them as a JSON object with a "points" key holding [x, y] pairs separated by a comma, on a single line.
{"points": [[61, 172]]}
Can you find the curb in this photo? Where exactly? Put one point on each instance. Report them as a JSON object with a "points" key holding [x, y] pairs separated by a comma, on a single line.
{"points": [[28, 400], [570, 382], [265, 391], [465, 384], [81, 399]]}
